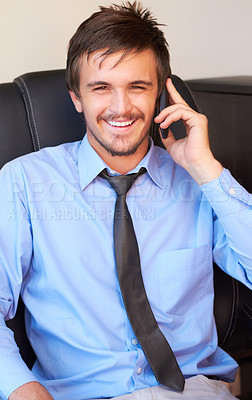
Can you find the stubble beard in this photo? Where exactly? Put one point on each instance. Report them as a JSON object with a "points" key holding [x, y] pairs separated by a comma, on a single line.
{"points": [[113, 147], [113, 151]]}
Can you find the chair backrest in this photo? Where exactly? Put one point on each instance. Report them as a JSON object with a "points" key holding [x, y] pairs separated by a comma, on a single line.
{"points": [[15, 134], [36, 111]]}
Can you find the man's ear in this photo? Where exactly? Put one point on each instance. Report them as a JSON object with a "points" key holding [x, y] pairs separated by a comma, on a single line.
{"points": [[76, 101]]}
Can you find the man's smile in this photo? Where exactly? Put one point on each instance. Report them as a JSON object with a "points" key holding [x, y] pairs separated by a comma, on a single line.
{"points": [[121, 124]]}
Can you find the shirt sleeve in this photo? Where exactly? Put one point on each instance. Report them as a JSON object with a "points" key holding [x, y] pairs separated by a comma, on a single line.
{"points": [[232, 209], [15, 258]]}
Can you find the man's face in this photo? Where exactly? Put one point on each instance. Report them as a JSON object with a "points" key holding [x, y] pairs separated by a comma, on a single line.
{"points": [[118, 101]]}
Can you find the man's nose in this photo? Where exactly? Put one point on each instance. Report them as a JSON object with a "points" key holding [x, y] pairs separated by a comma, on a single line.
{"points": [[120, 103]]}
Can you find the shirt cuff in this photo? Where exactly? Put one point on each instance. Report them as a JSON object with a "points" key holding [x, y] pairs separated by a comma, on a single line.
{"points": [[226, 195], [14, 373]]}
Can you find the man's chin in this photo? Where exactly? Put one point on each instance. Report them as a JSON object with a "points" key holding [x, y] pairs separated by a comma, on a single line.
{"points": [[120, 151], [119, 146]]}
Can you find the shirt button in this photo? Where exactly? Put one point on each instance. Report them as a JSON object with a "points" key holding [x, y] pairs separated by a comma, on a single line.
{"points": [[139, 370], [134, 341], [232, 191]]}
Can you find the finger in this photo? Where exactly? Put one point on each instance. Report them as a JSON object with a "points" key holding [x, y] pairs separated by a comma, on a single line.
{"points": [[169, 110], [174, 96], [188, 116]]}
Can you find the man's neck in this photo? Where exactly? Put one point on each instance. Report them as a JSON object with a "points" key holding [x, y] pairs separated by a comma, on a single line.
{"points": [[122, 164]]}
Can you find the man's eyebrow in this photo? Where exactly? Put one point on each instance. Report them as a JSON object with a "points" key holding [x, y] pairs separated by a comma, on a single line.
{"points": [[104, 83], [97, 83], [141, 82]]}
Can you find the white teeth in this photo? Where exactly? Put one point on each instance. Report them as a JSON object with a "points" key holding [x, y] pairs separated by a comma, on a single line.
{"points": [[120, 124]]}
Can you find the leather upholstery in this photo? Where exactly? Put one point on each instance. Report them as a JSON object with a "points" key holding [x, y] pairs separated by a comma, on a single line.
{"points": [[52, 116], [36, 111], [15, 135]]}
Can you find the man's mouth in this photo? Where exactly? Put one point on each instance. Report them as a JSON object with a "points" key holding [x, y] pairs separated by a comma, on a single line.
{"points": [[121, 124]]}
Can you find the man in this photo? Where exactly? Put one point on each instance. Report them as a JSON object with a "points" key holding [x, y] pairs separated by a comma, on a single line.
{"points": [[183, 212]]}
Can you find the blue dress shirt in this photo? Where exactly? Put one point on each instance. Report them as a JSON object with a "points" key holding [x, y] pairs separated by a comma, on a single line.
{"points": [[56, 249]]}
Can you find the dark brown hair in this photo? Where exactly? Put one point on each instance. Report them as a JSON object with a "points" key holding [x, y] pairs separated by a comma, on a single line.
{"points": [[126, 27]]}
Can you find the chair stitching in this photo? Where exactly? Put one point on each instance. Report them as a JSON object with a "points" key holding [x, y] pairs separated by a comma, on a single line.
{"points": [[29, 122], [230, 331], [235, 284], [32, 115], [246, 312]]}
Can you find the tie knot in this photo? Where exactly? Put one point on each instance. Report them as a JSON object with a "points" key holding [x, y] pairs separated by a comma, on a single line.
{"points": [[121, 183]]}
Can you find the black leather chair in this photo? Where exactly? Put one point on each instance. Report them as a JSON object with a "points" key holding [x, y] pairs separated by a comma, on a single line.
{"points": [[36, 111]]}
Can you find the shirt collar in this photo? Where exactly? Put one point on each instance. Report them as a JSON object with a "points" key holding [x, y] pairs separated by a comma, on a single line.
{"points": [[90, 164], [150, 162]]}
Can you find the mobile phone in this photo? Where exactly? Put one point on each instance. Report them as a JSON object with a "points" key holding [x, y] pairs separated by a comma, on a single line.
{"points": [[177, 128], [163, 103]]}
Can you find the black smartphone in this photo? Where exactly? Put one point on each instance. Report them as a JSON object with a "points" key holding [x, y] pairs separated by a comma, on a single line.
{"points": [[163, 103], [177, 128]]}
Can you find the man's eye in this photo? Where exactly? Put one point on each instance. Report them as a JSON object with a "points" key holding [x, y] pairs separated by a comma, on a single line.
{"points": [[100, 88], [137, 87]]}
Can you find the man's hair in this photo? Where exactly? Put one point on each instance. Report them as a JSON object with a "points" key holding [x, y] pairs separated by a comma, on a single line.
{"points": [[127, 27]]}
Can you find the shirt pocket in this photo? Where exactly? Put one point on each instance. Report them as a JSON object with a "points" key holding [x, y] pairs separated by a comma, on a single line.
{"points": [[184, 276]]}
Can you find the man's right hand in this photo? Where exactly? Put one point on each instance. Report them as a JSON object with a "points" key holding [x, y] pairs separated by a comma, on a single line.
{"points": [[31, 391]]}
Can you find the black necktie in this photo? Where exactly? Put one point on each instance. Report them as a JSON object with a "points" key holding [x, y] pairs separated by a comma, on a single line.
{"points": [[156, 348]]}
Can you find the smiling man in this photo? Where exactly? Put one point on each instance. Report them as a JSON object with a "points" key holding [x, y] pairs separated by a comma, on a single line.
{"points": [[118, 99], [87, 342]]}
